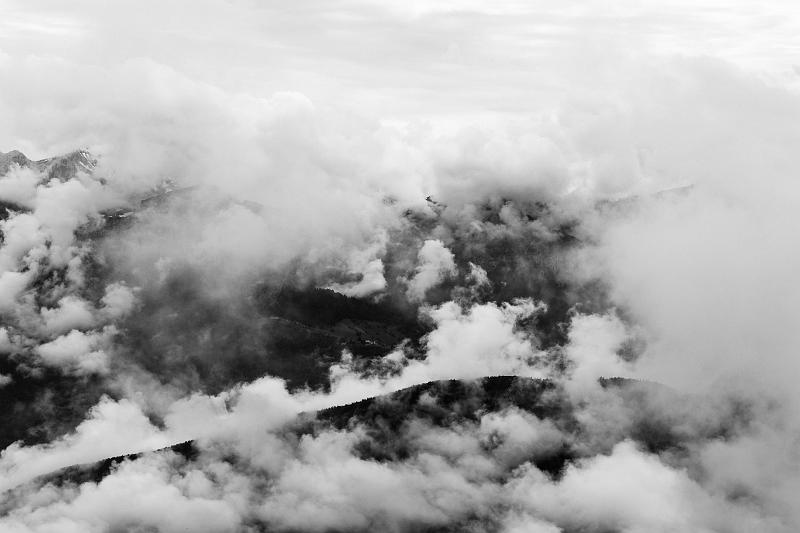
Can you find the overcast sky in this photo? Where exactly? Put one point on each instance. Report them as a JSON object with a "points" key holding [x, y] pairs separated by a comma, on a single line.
{"points": [[398, 59]]}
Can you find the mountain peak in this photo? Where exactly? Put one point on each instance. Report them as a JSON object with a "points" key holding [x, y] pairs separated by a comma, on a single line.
{"points": [[12, 157], [63, 167]]}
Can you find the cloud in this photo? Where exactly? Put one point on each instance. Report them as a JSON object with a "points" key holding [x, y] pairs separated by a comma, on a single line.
{"points": [[309, 130], [138, 494], [368, 265], [465, 344], [633, 491], [435, 263], [118, 300], [18, 186], [61, 207], [22, 233], [113, 428], [79, 352], [72, 313], [467, 471], [593, 346], [771, 480], [12, 284], [708, 273], [517, 437], [6, 343]]}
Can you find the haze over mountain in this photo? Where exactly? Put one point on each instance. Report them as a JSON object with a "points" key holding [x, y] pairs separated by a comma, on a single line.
{"points": [[361, 266]]}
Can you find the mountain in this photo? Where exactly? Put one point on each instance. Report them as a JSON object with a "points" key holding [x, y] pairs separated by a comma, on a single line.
{"points": [[62, 167], [385, 436], [287, 324]]}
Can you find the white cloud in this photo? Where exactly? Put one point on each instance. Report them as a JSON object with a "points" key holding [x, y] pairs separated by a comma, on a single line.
{"points": [[118, 300], [592, 347], [140, 494], [435, 263], [61, 207], [516, 436], [21, 234], [328, 487], [79, 352], [465, 344], [633, 491], [12, 284], [367, 264], [72, 313], [6, 342], [112, 429], [18, 186]]}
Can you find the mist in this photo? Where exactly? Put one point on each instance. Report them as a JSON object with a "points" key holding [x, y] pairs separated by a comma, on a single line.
{"points": [[360, 266]]}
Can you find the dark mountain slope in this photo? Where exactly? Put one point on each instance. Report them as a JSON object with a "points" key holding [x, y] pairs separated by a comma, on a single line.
{"points": [[661, 421]]}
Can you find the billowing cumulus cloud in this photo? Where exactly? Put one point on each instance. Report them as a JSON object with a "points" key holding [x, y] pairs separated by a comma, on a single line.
{"points": [[367, 265], [77, 350], [435, 264], [113, 428], [71, 313], [12, 284]]}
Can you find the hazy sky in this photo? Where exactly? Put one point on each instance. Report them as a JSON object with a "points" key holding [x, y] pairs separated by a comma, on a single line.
{"points": [[396, 59]]}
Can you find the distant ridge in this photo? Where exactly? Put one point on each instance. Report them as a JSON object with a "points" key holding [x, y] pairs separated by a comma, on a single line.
{"points": [[441, 403], [63, 167]]}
